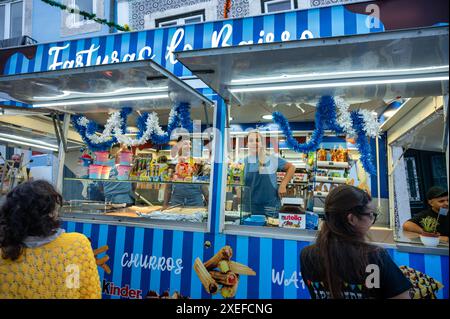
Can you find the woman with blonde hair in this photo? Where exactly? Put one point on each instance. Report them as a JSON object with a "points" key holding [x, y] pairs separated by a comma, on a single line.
{"points": [[260, 175]]}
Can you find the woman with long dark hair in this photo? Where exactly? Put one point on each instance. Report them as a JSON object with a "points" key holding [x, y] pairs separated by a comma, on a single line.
{"points": [[341, 264], [37, 258]]}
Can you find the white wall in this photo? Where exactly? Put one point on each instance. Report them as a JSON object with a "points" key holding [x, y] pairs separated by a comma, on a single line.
{"points": [[123, 12]]}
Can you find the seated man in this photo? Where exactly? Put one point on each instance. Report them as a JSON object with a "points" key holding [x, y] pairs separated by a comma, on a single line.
{"points": [[437, 198]]}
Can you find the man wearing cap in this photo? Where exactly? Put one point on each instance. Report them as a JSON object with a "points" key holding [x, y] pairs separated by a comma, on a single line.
{"points": [[437, 198]]}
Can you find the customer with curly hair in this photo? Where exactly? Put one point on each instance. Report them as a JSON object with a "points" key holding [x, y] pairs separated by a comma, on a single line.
{"points": [[38, 259]]}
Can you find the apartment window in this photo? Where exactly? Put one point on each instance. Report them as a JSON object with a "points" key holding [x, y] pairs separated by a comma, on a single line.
{"points": [[76, 20], [269, 6], [188, 18], [11, 19]]}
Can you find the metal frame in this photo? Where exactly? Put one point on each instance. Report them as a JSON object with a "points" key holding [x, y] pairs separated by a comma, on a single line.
{"points": [[318, 42], [265, 2], [107, 67]]}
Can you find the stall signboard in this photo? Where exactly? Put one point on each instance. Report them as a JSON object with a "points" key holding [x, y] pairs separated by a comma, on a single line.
{"points": [[160, 44], [148, 262]]}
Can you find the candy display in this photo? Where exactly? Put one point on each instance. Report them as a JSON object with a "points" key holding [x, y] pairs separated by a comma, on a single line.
{"points": [[322, 155], [123, 172], [95, 171], [339, 155], [105, 171], [183, 172], [126, 158], [236, 173], [101, 156], [311, 158]]}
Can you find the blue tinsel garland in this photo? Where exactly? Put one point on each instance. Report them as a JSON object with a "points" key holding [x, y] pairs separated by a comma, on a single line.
{"points": [[141, 123], [326, 117], [363, 144], [124, 112], [184, 114], [182, 117], [327, 108], [83, 131]]}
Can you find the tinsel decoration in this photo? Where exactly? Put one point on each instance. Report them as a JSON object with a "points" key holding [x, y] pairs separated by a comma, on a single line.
{"points": [[81, 129], [363, 143], [147, 123], [325, 115], [360, 124], [327, 109], [343, 118], [87, 15], [184, 112]]}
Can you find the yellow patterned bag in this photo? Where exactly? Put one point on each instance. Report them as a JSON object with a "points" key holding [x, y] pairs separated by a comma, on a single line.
{"points": [[425, 287]]}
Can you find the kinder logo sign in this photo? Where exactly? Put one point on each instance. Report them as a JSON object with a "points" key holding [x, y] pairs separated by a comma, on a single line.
{"points": [[221, 38], [108, 288]]}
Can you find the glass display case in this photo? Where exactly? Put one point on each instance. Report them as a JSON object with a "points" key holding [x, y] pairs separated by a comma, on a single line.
{"points": [[85, 198]]}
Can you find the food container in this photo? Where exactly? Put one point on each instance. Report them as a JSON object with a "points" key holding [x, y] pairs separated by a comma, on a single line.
{"points": [[86, 161], [297, 221], [95, 171], [123, 172], [292, 216], [126, 158], [101, 156], [105, 172], [322, 155], [255, 220], [312, 221], [82, 172]]}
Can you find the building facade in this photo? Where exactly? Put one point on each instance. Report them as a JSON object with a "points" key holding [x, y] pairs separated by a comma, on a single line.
{"points": [[44, 23]]}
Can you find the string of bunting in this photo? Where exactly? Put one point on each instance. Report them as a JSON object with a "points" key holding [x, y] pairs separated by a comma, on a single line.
{"points": [[147, 123], [87, 15], [333, 114]]}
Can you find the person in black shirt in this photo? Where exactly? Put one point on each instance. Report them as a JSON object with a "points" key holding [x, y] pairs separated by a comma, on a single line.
{"points": [[437, 198], [341, 264]]}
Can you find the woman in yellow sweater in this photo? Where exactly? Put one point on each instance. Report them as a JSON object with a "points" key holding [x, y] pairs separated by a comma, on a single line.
{"points": [[39, 260]]}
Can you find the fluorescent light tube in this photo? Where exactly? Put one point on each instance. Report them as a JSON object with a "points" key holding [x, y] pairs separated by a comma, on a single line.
{"points": [[365, 73], [15, 137], [94, 101], [27, 144], [330, 85], [121, 91]]}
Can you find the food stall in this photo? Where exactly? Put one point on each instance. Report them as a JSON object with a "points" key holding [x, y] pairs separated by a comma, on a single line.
{"points": [[98, 79], [427, 130], [285, 73]]}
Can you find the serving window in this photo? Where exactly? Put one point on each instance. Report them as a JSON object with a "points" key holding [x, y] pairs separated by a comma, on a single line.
{"points": [[364, 73], [146, 158]]}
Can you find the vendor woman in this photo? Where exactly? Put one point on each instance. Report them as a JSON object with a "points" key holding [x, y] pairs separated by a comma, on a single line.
{"points": [[437, 198], [194, 195], [117, 192], [260, 175]]}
